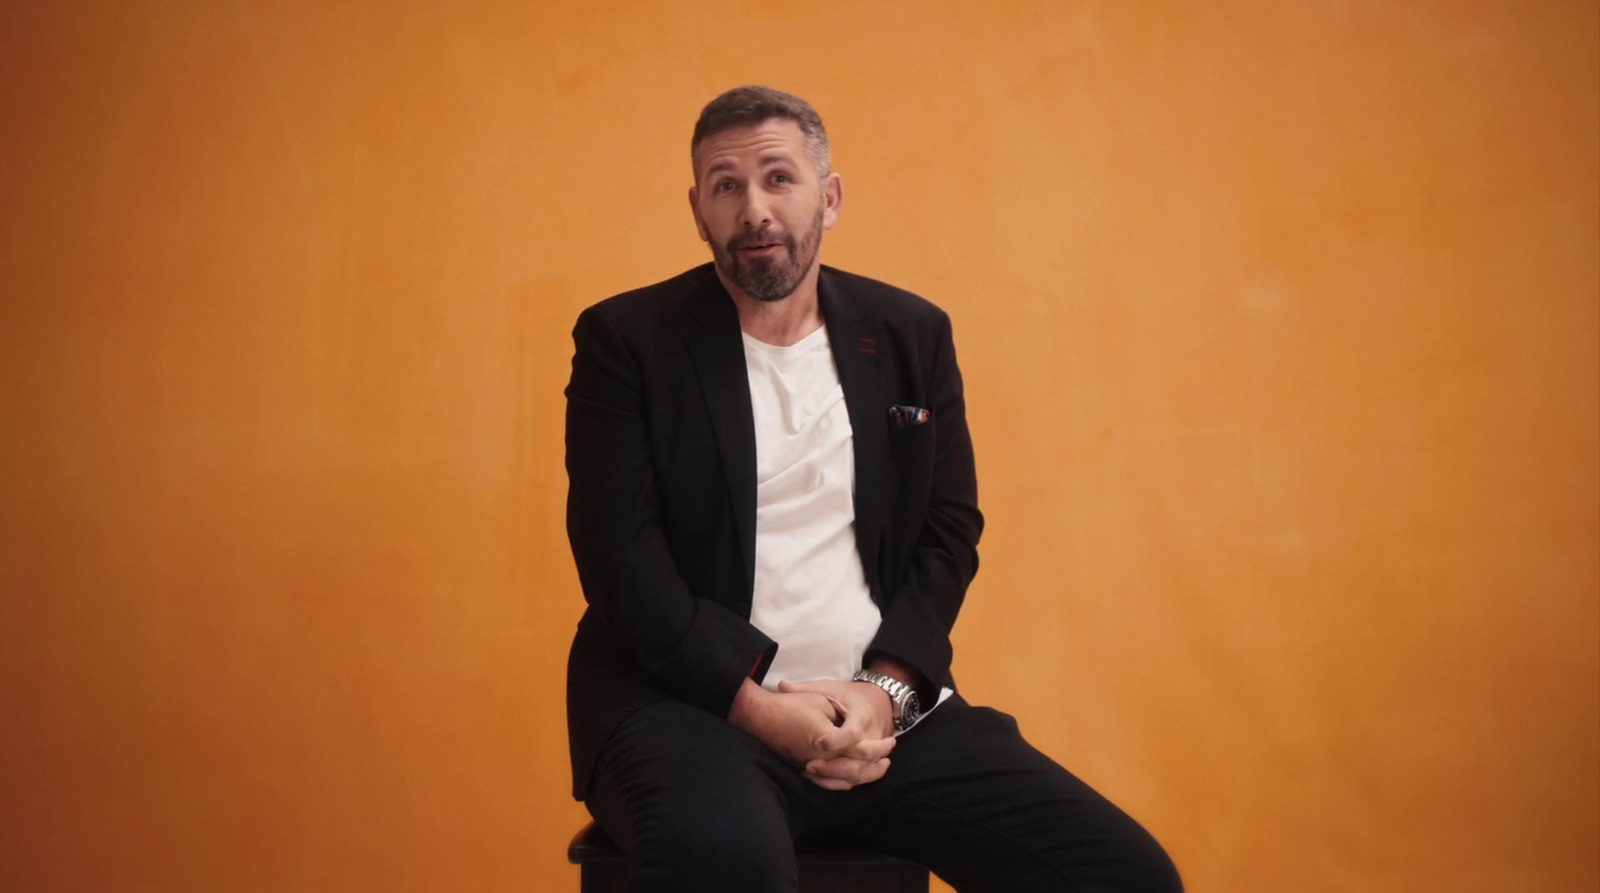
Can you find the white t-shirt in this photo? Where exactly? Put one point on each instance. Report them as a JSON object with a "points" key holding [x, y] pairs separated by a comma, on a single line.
{"points": [[811, 594]]}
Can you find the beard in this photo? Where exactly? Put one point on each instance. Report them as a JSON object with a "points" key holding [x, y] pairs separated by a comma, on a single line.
{"points": [[769, 278]]}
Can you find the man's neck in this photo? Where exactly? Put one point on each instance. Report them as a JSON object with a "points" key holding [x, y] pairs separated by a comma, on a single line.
{"points": [[782, 322]]}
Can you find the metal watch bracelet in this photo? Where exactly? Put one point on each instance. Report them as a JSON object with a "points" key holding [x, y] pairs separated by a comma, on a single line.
{"points": [[901, 695]]}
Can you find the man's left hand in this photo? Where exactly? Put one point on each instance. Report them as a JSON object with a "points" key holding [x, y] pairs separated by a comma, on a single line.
{"points": [[851, 753]]}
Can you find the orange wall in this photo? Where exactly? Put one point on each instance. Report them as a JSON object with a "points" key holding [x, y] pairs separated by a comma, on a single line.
{"points": [[1279, 322]]}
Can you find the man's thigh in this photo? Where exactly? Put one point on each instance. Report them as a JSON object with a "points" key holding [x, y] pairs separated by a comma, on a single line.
{"points": [[696, 803], [967, 796]]}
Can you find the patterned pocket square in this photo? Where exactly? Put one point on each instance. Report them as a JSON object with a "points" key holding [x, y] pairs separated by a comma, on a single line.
{"points": [[908, 416]]}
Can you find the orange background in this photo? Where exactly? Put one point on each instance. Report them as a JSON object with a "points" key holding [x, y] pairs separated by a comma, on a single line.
{"points": [[1279, 322]]}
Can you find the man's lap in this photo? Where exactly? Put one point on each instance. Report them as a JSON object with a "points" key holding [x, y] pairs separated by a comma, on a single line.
{"points": [[965, 795]]}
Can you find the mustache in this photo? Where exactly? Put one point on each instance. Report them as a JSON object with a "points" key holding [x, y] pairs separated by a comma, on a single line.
{"points": [[760, 237]]}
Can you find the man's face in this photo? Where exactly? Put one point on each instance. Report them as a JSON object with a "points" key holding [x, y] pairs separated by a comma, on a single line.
{"points": [[762, 206]]}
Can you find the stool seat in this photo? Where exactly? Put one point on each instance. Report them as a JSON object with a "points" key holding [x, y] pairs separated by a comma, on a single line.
{"points": [[833, 864]]}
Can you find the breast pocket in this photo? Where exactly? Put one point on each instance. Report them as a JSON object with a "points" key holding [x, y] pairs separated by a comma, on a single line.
{"points": [[912, 450]]}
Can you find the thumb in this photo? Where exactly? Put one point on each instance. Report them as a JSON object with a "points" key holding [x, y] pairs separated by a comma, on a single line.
{"points": [[846, 735], [786, 686]]}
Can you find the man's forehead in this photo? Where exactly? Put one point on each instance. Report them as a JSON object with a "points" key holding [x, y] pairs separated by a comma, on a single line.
{"points": [[770, 141]]}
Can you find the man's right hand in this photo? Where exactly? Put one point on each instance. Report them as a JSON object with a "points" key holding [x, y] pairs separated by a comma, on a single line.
{"points": [[793, 723]]}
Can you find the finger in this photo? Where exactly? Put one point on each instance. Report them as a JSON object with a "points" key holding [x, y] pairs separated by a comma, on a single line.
{"points": [[870, 749], [847, 735], [871, 772], [856, 772], [836, 711], [841, 768], [853, 729], [831, 710], [839, 713], [832, 784]]}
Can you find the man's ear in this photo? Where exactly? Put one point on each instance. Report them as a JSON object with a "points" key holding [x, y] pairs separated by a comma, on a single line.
{"points": [[694, 208], [832, 200]]}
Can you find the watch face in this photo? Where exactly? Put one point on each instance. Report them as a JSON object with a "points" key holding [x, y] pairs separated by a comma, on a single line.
{"points": [[911, 710]]}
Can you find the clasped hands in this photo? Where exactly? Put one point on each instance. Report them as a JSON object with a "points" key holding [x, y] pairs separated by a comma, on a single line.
{"points": [[840, 732]]}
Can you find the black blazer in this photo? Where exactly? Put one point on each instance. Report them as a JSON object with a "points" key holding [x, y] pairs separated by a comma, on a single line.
{"points": [[661, 502]]}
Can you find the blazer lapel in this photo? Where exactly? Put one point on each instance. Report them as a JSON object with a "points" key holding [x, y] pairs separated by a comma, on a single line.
{"points": [[860, 351], [712, 333]]}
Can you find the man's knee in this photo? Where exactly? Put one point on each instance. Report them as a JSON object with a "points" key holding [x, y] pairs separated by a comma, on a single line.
{"points": [[1116, 855], [716, 853]]}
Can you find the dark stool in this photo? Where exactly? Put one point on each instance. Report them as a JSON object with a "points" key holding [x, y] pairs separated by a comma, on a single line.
{"points": [[827, 865]]}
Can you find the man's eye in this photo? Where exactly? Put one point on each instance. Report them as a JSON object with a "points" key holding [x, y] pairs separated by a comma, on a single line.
{"points": [[724, 186], [780, 178]]}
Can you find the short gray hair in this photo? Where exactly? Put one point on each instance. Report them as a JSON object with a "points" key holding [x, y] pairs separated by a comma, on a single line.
{"points": [[752, 105]]}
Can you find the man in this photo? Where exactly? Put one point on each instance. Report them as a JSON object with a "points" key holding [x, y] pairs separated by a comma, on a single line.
{"points": [[773, 511]]}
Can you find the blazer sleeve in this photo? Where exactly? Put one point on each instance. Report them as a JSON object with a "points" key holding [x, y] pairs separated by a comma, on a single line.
{"points": [[693, 647], [927, 597]]}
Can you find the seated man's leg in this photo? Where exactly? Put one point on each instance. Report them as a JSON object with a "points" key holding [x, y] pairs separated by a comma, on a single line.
{"points": [[696, 803], [969, 798]]}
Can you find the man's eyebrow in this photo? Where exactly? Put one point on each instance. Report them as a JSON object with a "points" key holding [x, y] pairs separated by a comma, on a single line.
{"points": [[764, 161]]}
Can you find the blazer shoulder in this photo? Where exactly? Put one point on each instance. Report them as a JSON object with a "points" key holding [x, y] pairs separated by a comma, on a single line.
{"points": [[880, 299], [648, 306]]}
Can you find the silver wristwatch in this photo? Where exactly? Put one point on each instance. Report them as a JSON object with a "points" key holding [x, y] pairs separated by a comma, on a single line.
{"points": [[904, 698]]}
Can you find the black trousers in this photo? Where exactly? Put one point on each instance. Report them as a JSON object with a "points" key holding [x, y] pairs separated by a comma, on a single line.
{"points": [[698, 805]]}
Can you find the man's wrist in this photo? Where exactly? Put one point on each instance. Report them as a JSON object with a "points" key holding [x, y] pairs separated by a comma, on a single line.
{"points": [[927, 689], [748, 702], [879, 696], [904, 704]]}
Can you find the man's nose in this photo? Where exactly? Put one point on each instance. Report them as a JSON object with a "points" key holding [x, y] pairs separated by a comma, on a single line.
{"points": [[757, 211]]}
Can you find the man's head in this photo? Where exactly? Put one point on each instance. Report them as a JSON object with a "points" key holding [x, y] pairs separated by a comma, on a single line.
{"points": [[764, 191], [749, 106]]}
